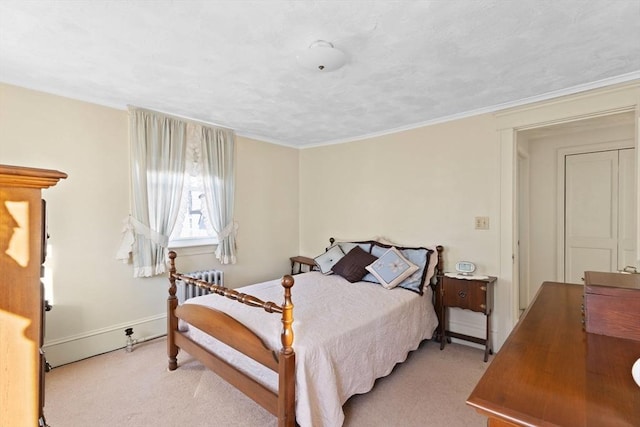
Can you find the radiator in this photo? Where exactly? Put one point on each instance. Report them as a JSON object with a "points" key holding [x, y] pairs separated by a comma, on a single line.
{"points": [[186, 291]]}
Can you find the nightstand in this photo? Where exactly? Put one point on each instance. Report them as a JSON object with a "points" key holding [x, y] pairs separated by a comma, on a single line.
{"points": [[297, 263], [475, 294]]}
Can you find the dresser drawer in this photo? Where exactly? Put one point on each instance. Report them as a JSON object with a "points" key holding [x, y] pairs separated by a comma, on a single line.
{"points": [[467, 294]]}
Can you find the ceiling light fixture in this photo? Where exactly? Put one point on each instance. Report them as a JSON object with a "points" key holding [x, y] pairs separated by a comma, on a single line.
{"points": [[322, 56]]}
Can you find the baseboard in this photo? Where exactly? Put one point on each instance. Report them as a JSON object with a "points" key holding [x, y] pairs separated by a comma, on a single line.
{"points": [[71, 349]]}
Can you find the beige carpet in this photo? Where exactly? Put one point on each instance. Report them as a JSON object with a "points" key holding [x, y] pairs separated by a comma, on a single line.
{"points": [[135, 389]]}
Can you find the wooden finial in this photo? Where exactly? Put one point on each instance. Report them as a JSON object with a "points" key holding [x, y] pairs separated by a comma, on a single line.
{"points": [[440, 265], [287, 281]]}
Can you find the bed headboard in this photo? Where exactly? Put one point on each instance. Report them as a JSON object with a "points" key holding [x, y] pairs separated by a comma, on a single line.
{"points": [[439, 250]]}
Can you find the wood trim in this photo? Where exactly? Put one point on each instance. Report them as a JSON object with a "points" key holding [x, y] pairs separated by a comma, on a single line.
{"points": [[287, 390], [233, 333], [228, 330], [21, 300], [16, 176], [250, 300], [253, 389], [590, 103], [440, 265]]}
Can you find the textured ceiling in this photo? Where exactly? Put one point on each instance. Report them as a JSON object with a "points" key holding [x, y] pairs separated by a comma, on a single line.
{"points": [[233, 63]]}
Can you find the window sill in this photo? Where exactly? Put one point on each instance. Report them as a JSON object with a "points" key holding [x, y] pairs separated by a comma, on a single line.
{"points": [[193, 246]]}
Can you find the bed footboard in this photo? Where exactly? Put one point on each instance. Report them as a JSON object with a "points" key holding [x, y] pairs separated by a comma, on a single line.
{"points": [[236, 335]]}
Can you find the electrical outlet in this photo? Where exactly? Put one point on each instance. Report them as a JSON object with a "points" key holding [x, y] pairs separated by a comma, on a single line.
{"points": [[482, 223]]}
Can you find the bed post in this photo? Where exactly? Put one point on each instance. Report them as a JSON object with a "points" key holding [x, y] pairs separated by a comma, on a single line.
{"points": [[440, 265], [172, 320], [287, 362]]}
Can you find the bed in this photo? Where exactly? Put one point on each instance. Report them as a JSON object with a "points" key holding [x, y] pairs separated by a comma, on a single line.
{"points": [[347, 332]]}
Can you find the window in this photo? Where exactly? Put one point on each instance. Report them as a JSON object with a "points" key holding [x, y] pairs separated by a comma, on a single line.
{"points": [[165, 151], [193, 227]]}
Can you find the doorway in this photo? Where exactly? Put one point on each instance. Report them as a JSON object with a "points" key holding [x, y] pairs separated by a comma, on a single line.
{"points": [[543, 154], [606, 99]]}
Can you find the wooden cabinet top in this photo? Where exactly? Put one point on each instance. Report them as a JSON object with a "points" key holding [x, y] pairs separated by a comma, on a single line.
{"points": [[551, 372], [17, 176], [613, 280], [303, 259], [485, 279]]}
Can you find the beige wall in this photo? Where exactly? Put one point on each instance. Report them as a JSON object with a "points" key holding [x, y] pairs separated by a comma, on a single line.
{"points": [[95, 296], [418, 187], [422, 186], [426, 185]]}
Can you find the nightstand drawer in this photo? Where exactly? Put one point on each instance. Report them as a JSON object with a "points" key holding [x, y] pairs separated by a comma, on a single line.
{"points": [[467, 294]]}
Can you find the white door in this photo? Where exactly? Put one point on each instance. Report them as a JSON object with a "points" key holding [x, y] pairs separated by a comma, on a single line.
{"points": [[599, 212]]}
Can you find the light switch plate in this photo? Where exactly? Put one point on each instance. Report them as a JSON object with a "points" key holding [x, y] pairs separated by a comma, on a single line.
{"points": [[482, 223]]}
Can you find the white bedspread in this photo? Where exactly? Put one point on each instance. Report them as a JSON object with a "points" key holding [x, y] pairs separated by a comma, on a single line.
{"points": [[345, 336]]}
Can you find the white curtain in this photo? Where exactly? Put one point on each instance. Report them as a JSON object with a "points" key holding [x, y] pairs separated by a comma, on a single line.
{"points": [[218, 163], [158, 145]]}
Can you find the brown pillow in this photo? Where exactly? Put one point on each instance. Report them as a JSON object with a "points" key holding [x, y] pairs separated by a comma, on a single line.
{"points": [[352, 265]]}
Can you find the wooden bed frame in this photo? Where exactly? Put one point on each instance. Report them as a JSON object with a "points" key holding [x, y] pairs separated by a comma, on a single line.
{"points": [[233, 333]]}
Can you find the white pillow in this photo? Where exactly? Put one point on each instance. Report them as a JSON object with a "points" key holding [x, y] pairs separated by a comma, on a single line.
{"points": [[391, 268], [328, 259]]}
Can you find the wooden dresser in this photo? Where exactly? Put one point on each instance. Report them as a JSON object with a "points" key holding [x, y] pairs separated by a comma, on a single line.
{"points": [[612, 304], [551, 372], [21, 300]]}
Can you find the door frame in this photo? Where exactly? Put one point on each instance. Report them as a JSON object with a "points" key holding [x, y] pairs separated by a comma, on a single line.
{"points": [[560, 194], [617, 98], [523, 221]]}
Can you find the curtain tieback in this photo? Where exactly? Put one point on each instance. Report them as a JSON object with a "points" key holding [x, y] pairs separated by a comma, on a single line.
{"points": [[126, 241], [232, 227], [154, 236]]}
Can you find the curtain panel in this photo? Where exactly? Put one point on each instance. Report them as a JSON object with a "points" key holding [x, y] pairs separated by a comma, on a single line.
{"points": [[218, 168], [158, 147], [159, 156]]}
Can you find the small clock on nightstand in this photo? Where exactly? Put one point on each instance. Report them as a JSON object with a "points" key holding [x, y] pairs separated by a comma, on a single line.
{"points": [[465, 268]]}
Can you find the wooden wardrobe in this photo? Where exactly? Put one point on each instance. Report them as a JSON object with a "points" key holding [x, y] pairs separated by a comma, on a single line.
{"points": [[22, 251]]}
